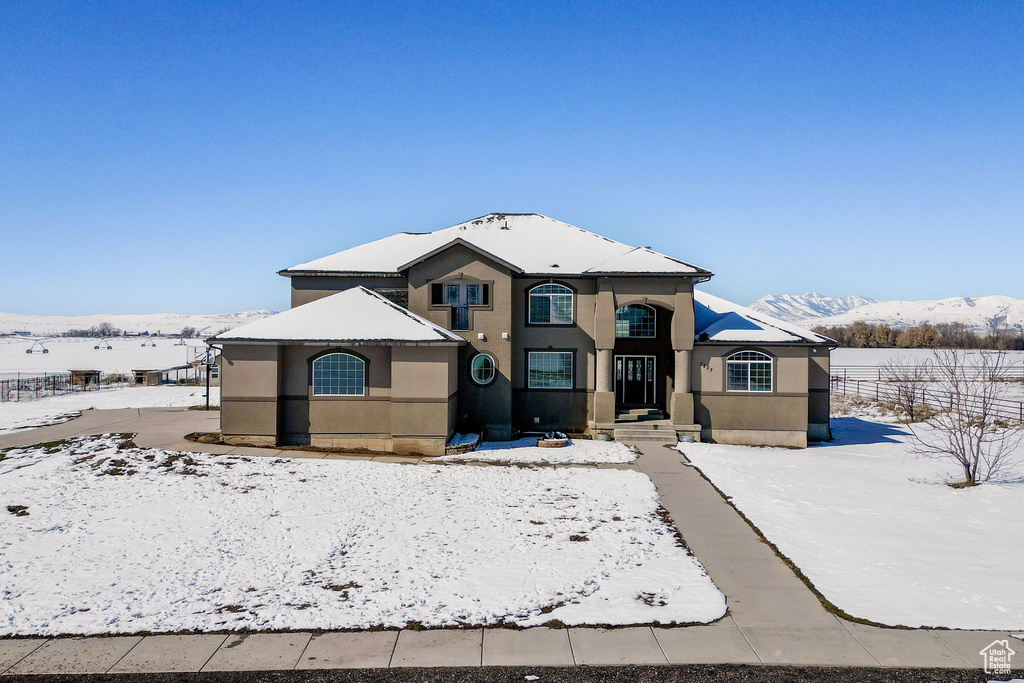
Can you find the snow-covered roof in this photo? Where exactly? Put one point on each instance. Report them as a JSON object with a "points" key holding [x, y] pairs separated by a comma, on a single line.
{"points": [[354, 315], [525, 242], [724, 321]]}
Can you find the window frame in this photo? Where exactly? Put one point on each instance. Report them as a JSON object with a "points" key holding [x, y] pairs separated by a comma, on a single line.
{"points": [[654, 322], [486, 295], [312, 375], [572, 368], [765, 359], [494, 369], [529, 304]]}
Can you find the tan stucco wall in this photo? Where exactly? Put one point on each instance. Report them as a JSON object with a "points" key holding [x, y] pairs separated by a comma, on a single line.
{"points": [[249, 390], [488, 408], [818, 408], [309, 288], [776, 418]]}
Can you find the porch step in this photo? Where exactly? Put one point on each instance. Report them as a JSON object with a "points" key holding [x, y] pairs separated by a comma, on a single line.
{"points": [[647, 434], [639, 415]]}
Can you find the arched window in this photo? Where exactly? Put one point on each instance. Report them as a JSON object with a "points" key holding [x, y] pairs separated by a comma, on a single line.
{"points": [[482, 368], [339, 374], [748, 371], [551, 304], [636, 321]]}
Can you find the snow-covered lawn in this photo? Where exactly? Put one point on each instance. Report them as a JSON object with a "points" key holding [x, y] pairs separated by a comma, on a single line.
{"points": [[15, 415], [878, 531], [526, 452], [125, 540]]}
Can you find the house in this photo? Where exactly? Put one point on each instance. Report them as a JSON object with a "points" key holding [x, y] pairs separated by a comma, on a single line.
{"points": [[514, 322]]}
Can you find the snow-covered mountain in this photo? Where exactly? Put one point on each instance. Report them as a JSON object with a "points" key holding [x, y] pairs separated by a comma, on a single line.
{"points": [[800, 307], [165, 323], [979, 314]]}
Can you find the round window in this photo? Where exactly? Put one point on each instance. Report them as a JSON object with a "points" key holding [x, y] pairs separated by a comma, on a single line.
{"points": [[482, 368]]}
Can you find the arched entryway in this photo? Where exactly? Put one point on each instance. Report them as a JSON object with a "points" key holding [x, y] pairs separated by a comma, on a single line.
{"points": [[643, 357]]}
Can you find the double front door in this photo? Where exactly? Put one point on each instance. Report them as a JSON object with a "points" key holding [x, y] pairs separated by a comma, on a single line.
{"points": [[634, 380]]}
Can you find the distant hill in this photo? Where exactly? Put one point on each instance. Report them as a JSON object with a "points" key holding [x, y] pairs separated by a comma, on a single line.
{"points": [[801, 307], [978, 314], [165, 323]]}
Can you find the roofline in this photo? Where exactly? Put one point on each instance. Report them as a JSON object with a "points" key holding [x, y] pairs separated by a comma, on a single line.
{"points": [[701, 276], [340, 342], [289, 273], [805, 342], [469, 245]]}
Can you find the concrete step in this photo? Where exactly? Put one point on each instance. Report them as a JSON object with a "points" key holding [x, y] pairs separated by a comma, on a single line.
{"points": [[649, 435]]}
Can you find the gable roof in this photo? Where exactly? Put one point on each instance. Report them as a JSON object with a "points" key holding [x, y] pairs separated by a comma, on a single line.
{"points": [[724, 321], [354, 315], [524, 242]]}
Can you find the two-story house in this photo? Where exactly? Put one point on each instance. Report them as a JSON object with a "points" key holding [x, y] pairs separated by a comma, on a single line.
{"points": [[513, 322]]}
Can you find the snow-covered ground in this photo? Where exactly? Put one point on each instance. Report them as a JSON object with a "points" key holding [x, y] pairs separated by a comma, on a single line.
{"points": [[877, 530], [56, 409], [126, 540], [166, 323], [526, 452], [877, 357], [73, 353]]}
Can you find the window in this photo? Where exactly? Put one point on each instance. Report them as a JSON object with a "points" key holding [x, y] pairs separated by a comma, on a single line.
{"points": [[636, 321], [339, 374], [550, 369], [748, 371], [460, 296], [482, 369], [551, 305]]}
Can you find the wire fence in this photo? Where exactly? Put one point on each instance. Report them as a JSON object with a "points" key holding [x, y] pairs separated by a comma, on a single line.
{"points": [[27, 387], [1005, 409], [878, 373]]}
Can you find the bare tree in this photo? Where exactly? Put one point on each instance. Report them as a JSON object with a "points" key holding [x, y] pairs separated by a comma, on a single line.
{"points": [[966, 429], [907, 383], [188, 332]]}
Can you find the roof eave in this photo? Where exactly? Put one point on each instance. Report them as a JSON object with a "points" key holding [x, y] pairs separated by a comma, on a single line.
{"points": [[341, 342], [291, 272], [469, 245]]}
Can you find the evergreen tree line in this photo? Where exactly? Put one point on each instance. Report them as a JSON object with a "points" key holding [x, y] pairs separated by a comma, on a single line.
{"points": [[862, 335]]}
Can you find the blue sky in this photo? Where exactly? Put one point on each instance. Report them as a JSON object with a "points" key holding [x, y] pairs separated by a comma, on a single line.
{"points": [[173, 156]]}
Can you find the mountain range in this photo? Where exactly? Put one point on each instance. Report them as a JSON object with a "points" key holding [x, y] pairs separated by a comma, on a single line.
{"points": [[164, 323], [980, 314]]}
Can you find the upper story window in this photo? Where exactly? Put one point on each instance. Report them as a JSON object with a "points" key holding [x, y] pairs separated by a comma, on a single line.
{"points": [[460, 295], [550, 304], [339, 374], [748, 371], [635, 321]]}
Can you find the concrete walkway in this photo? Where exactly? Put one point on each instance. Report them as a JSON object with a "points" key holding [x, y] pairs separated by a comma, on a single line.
{"points": [[773, 617]]}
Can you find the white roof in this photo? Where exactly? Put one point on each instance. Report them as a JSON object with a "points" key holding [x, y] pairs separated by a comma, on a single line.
{"points": [[355, 315], [528, 243], [724, 321]]}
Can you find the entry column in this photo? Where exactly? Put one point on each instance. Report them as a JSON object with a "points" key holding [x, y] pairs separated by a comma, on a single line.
{"points": [[681, 406], [604, 340]]}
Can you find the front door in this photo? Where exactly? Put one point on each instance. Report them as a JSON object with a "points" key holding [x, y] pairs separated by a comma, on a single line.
{"points": [[634, 380]]}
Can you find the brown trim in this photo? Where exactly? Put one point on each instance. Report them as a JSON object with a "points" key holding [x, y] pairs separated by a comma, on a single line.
{"points": [[344, 397], [816, 390], [756, 394], [420, 400], [248, 399]]}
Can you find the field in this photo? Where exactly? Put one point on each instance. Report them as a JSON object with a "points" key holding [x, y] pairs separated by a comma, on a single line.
{"points": [[73, 353]]}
